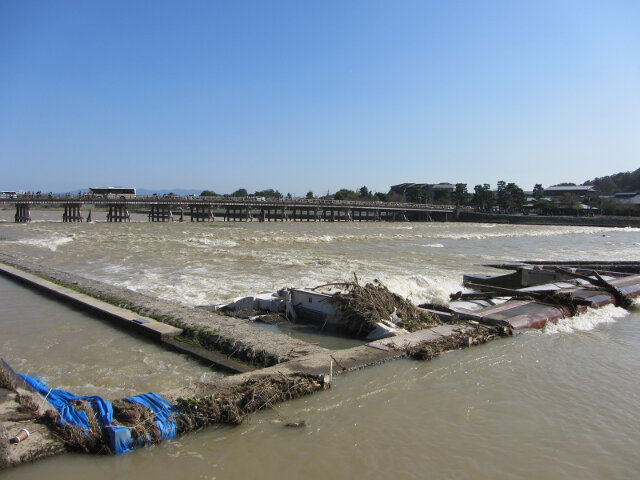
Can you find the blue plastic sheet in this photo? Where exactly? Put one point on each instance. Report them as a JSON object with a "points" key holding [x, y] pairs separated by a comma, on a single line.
{"points": [[119, 437]]}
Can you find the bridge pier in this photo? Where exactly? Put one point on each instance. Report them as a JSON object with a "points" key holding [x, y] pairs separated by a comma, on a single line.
{"points": [[160, 213], [23, 213], [239, 214], [200, 213], [72, 213], [118, 213]]}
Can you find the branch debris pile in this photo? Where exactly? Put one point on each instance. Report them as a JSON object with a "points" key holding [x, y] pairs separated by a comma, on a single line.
{"points": [[232, 406], [363, 307]]}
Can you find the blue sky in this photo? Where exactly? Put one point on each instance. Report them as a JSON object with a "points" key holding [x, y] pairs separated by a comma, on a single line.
{"points": [[310, 95]]}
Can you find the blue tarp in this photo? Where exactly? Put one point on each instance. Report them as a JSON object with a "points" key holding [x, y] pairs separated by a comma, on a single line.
{"points": [[119, 437]]}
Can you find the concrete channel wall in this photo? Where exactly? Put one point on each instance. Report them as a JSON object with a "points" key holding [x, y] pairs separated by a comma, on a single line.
{"points": [[250, 344]]}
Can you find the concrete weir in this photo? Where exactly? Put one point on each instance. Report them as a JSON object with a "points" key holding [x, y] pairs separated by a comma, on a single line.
{"points": [[232, 344]]}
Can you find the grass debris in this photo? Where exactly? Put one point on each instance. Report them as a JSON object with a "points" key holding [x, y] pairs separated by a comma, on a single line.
{"points": [[6, 380], [139, 419], [429, 350], [75, 438], [27, 405], [364, 306], [476, 336], [231, 406]]}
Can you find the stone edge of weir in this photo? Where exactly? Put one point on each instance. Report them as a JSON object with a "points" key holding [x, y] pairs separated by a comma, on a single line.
{"points": [[236, 338], [315, 360]]}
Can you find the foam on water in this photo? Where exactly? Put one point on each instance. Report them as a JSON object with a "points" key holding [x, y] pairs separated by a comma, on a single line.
{"points": [[208, 241], [522, 233], [587, 321], [286, 238], [52, 242]]}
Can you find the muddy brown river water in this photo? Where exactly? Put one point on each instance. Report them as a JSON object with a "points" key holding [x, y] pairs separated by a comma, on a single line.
{"points": [[558, 403]]}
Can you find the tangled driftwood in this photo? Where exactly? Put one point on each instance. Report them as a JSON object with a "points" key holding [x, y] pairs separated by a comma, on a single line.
{"points": [[362, 307]]}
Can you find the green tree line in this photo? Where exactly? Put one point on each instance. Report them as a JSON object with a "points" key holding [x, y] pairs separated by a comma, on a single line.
{"points": [[617, 183]]}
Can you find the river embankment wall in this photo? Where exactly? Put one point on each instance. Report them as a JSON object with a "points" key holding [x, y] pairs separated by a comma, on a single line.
{"points": [[580, 221]]}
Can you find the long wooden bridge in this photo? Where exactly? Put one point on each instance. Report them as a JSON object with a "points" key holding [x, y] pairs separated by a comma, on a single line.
{"points": [[230, 209]]}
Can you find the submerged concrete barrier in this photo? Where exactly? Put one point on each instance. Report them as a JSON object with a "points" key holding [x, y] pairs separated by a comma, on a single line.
{"points": [[235, 338]]}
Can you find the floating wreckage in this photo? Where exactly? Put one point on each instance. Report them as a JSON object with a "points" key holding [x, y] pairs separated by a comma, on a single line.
{"points": [[539, 292], [370, 312], [533, 294]]}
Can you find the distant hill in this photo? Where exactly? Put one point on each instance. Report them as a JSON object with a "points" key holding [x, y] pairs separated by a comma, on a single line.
{"points": [[619, 182]]}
